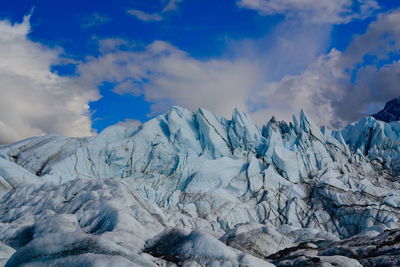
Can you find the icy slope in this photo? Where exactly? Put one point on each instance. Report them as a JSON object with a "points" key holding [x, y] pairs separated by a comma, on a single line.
{"points": [[84, 219], [292, 182], [12, 175], [213, 173], [378, 140], [103, 223], [97, 223]]}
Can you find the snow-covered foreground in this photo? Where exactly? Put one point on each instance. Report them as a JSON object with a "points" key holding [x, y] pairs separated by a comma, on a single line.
{"points": [[193, 189]]}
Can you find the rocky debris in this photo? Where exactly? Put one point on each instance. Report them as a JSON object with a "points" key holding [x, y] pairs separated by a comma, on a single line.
{"points": [[380, 250], [361, 250]]}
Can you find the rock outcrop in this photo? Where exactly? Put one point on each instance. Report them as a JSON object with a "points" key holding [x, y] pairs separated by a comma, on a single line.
{"points": [[391, 111]]}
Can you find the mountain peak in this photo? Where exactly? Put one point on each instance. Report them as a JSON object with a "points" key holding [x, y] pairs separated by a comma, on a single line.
{"points": [[391, 111]]}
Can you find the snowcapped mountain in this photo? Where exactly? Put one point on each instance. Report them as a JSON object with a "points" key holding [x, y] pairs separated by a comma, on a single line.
{"points": [[391, 111], [195, 189]]}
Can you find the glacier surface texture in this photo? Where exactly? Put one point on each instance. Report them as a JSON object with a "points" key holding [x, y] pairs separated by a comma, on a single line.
{"points": [[194, 189]]}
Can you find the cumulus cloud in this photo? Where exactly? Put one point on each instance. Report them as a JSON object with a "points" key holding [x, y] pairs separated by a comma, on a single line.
{"points": [[113, 44], [287, 50], [375, 80], [374, 87], [34, 100], [166, 75], [374, 72], [381, 39], [278, 75], [319, 11], [341, 87], [313, 90]]}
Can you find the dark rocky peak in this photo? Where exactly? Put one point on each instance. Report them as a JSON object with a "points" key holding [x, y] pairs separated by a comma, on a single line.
{"points": [[391, 111]]}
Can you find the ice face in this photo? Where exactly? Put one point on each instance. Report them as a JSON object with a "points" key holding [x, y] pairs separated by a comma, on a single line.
{"points": [[195, 170], [378, 140], [12, 175]]}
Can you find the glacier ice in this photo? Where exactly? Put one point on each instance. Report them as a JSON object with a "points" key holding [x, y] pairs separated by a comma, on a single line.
{"points": [[200, 248], [257, 239], [378, 140], [13, 175], [247, 191]]}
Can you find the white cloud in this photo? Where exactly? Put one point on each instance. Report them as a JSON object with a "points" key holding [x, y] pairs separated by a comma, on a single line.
{"points": [[95, 19], [172, 5], [166, 75], [340, 87], [33, 100], [278, 75], [376, 80], [319, 11], [114, 44], [287, 50], [381, 39], [313, 90], [143, 16], [373, 88]]}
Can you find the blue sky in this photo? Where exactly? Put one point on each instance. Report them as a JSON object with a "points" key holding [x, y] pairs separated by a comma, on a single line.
{"points": [[193, 27], [91, 64]]}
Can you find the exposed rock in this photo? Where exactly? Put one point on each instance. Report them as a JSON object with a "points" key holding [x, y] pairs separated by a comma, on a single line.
{"points": [[391, 111], [381, 250]]}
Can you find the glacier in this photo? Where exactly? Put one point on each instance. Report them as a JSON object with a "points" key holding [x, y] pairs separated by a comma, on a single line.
{"points": [[195, 189]]}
